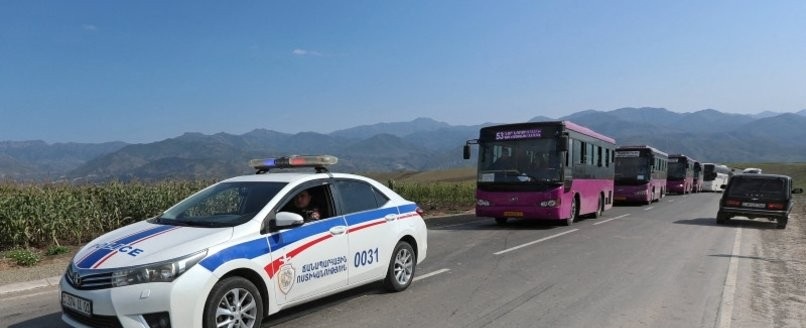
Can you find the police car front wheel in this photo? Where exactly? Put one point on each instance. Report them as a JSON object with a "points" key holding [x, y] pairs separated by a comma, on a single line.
{"points": [[401, 267], [233, 303]]}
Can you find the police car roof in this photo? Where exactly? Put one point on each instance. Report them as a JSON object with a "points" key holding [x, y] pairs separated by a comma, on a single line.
{"points": [[289, 177]]}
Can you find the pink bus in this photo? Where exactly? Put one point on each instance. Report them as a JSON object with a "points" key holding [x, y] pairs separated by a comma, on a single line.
{"points": [[543, 170], [680, 178], [640, 174]]}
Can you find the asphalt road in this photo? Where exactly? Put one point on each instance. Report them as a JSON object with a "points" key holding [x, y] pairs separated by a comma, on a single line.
{"points": [[663, 265]]}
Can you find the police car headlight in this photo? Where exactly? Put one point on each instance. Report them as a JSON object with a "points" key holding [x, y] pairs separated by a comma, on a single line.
{"points": [[157, 272], [482, 202]]}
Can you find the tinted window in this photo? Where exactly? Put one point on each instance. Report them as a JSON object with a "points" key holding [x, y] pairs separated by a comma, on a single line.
{"points": [[356, 196], [225, 204], [762, 188]]}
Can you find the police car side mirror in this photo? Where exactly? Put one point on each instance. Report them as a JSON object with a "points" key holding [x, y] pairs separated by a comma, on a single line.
{"points": [[797, 191], [723, 186], [288, 219]]}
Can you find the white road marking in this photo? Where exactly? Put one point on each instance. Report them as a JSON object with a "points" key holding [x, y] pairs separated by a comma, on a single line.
{"points": [[615, 218], [534, 242], [431, 274], [671, 201], [728, 292], [649, 208], [31, 295], [460, 224]]}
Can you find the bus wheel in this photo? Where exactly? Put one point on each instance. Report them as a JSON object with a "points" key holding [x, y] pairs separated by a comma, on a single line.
{"points": [[501, 221], [574, 210], [600, 209]]}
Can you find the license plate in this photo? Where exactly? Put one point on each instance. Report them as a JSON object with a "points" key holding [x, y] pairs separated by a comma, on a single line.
{"points": [[77, 304], [513, 214], [754, 205], [620, 198]]}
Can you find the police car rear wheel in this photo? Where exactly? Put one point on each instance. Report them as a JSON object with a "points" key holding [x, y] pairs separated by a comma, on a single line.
{"points": [[233, 303], [401, 267]]}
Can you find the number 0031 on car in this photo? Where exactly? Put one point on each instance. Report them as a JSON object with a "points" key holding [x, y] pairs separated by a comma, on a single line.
{"points": [[513, 214]]}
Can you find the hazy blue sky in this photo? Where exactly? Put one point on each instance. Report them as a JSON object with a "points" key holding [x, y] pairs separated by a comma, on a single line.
{"points": [[141, 71]]}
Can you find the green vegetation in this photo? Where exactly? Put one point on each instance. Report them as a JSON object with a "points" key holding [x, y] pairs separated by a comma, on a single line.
{"points": [[441, 196], [38, 215], [56, 250], [23, 257], [795, 170]]}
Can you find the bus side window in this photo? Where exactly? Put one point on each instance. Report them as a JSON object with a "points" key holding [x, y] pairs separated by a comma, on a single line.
{"points": [[599, 156], [579, 152], [607, 157]]}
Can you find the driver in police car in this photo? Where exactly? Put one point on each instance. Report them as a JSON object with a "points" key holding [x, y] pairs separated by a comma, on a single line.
{"points": [[303, 205]]}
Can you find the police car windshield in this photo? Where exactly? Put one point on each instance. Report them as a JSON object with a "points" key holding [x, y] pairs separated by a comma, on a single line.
{"points": [[224, 205]]}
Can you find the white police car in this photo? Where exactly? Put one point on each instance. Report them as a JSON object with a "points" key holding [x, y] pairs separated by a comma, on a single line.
{"points": [[233, 253]]}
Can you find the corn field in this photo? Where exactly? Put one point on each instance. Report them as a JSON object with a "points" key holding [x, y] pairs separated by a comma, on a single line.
{"points": [[41, 215], [437, 195], [38, 215]]}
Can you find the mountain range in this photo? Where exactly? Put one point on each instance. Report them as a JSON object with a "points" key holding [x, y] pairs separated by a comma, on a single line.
{"points": [[420, 144]]}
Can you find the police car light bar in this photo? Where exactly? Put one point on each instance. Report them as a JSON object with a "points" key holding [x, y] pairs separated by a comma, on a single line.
{"points": [[293, 161]]}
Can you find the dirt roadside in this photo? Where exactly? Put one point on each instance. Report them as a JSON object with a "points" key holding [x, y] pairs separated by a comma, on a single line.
{"points": [[771, 283]]}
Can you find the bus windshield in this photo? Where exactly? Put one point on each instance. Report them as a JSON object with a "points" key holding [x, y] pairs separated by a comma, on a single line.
{"points": [[677, 171], [632, 170], [709, 173], [519, 161]]}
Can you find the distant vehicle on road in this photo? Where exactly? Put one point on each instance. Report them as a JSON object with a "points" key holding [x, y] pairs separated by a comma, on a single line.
{"points": [[752, 170], [640, 174], [698, 177], [543, 170], [714, 176], [680, 178], [758, 196]]}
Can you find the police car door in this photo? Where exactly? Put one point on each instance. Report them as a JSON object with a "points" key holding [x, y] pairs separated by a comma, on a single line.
{"points": [[310, 259], [371, 229]]}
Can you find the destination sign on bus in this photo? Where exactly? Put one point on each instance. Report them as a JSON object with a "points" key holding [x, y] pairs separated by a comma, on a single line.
{"points": [[518, 134], [632, 153]]}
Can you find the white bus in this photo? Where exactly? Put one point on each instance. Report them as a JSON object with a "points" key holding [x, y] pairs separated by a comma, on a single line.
{"points": [[714, 176]]}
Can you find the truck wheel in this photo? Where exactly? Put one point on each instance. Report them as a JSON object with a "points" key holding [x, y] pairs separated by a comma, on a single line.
{"points": [[782, 223], [722, 218]]}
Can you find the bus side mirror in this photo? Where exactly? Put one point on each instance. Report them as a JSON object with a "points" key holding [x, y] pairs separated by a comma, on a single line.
{"points": [[563, 145], [797, 191], [466, 152]]}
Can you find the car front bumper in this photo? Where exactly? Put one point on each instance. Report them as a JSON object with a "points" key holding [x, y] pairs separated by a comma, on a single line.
{"points": [[183, 301]]}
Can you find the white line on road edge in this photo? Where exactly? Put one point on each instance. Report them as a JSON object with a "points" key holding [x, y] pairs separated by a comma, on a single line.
{"points": [[649, 208], [534, 242], [31, 295], [431, 274], [671, 201], [460, 224], [726, 307], [608, 220]]}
